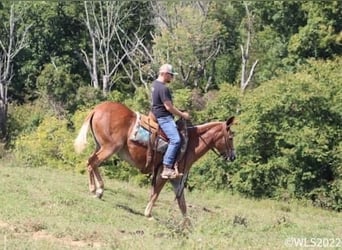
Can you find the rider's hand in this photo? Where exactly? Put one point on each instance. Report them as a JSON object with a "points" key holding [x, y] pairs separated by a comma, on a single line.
{"points": [[186, 115]]}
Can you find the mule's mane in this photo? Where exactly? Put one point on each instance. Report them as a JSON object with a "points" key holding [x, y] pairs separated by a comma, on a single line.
{"points": [[202, 128]]}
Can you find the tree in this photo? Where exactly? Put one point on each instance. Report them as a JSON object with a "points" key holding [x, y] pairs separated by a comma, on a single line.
{"points": [[56, 34], [320, 37], [57, 88], [114, 42], [190, 40], [290, 136], [10, 45], [245, 55], [228, 62]]}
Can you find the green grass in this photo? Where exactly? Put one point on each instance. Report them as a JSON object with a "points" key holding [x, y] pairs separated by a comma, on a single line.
{"points": [[52, 209]]}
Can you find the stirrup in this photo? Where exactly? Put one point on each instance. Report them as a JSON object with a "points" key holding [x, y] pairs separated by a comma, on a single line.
{"points": [[169, 173], [178, 174]]}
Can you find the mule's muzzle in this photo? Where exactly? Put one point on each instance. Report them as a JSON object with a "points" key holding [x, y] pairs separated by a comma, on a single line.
{"points": [[230, 157]]}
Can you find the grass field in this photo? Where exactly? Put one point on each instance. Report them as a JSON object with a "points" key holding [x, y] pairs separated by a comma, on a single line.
{"points": [[52, 209]]}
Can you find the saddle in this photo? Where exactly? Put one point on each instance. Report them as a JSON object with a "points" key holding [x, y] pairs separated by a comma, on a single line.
{"points": [[148, 133]]}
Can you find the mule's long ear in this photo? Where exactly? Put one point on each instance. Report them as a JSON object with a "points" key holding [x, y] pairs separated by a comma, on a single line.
{"points": [[230, 121]]}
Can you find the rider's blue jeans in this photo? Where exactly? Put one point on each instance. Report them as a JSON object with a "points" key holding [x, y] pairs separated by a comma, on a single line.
{"points": [[168, 125]]}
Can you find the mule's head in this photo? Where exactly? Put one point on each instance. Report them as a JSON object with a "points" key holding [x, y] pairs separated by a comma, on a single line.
{"points": [[225, 143]]}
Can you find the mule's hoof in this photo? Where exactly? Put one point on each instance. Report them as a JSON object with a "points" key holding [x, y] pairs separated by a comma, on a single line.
{"points": [[148, 215], [186, 224], [99, 193]]}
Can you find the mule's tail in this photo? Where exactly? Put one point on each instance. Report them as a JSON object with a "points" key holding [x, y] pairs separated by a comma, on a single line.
{"points": [[81, 140]]}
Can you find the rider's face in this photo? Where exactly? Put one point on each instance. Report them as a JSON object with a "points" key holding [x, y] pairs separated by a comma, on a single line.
{"points": [[168, 77]]}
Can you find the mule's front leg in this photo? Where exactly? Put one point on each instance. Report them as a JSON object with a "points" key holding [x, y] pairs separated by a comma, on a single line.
{"points": [[155, 191], [178, 188]]}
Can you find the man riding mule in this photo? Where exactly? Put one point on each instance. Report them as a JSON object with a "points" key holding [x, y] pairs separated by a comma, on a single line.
{"points": [[163, 109], [112, 125], [148, 132]]}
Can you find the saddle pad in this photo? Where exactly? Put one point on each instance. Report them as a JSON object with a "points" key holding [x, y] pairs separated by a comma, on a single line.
{"points": [[142, 136]]}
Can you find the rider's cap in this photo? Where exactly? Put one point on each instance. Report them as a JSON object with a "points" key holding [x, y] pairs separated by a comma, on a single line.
{"points": [[167, 68]]}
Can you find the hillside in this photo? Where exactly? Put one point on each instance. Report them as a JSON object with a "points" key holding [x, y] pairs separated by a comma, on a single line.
{"points": [[51, 209]]}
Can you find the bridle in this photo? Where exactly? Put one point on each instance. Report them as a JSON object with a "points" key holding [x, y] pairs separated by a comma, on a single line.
{"points": [[225, 155], [229, 150]]}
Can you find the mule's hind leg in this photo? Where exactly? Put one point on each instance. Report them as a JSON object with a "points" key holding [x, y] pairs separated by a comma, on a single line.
{"points": [[155, 191], [91, 178], [94, 162], [91, 182], [95, 186], [99, 183]]}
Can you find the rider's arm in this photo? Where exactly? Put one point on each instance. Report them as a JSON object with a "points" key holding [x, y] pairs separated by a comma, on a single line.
{"points": [[172, 109]]}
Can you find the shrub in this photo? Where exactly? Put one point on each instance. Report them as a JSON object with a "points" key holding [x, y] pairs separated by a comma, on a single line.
{"points": [[289, 135], [24, 119], [50, 145]]}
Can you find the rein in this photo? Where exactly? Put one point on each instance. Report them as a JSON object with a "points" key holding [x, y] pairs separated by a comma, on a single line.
{"points": [[214, 149]]}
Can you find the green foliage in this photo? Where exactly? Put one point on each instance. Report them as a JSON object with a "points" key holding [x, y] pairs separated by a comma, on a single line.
{"points": [[270, 50], [289, 134], [51, 144], [204, 42], [88, 97], [227, 68], [116, 96], [204, 175], [56, 35], [139, 100], [221, 104], [288, 138], [115, 168], [182, 99], [51, 209], [319, 37], [284, 17], [189, 44], [227, 63], [58, 87], [24, 119]]}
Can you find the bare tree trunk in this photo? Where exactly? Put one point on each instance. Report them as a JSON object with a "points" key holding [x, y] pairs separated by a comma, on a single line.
{"points": [[245, 53], [3, 110], [91, 65], [104, 22], [139, 56], [169, 16], [9, 48]]}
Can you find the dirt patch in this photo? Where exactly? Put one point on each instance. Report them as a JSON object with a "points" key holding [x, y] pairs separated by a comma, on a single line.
{"points": [[37, 231]]}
